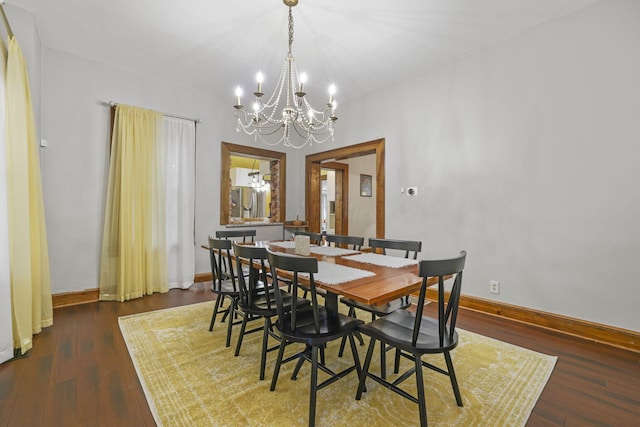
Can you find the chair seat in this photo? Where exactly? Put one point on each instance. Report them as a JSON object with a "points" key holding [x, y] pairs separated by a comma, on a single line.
{"points": [[226, 287], [397, 329], [378, 309], [260, 305], [332, 325]]}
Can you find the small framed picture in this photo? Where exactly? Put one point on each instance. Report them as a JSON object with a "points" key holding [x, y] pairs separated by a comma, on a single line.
{"points": [[365, 185]]}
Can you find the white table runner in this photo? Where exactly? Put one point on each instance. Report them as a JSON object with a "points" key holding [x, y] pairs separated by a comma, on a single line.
{"points": [[383, 260], [331, 251], [334, 274]]}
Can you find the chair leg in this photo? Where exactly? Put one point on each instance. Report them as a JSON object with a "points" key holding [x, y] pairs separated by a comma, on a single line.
{"points": [[452, 377], [383, 360], [232, 308], [351, 313], [342, 343], [422, 405], [294, 375], [354, 351], [215, 312], [314, 386], [265, 342], [396, 363], [365, 369], [276, 370], [245, 318], [225, 315]]}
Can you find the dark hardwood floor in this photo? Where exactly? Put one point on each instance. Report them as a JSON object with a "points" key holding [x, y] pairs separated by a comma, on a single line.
{"points": [[79, 371]]}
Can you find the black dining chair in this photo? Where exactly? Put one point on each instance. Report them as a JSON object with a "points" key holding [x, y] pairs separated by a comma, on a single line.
{"points": [[347, 242], [257, 299], [247, 235], [224, 285], [313, 326], [415, 334], [410, 248]]}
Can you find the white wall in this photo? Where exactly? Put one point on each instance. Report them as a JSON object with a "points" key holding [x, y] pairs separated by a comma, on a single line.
{"points": [[75, 163], [526, 155]]}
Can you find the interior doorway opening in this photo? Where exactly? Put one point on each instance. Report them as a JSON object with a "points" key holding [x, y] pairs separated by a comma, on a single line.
{"points": [[314, 165]]}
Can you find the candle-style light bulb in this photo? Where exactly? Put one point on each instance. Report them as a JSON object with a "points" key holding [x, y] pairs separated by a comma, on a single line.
{"points": [[332, 91], [259, 79], [238, 94], [303, 80]]}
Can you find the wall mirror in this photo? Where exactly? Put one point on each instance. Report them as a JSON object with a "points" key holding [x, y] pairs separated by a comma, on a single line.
{"points": [[252, 186]]}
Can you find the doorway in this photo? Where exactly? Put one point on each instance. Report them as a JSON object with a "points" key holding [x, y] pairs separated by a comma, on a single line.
{"points": [[334, 201], [316, 162]]}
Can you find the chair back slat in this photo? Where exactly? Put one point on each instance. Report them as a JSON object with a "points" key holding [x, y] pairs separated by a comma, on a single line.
{"points": [[295, 265], [232, 234], [255, 257], [410, 247], [355, 241], [219, 250], [447, 305]]}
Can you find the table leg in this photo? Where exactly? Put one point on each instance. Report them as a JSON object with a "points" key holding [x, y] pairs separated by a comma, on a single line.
{"points": [[331, 301]]}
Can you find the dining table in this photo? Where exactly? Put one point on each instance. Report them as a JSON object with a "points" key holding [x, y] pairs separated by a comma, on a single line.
{"points": [[363, 276]]}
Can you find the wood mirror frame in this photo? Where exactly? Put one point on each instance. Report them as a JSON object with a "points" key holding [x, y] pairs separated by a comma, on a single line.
{"points": [[226, 151]]}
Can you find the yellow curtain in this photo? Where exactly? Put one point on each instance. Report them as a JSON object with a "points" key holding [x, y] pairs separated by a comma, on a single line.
{"points": [[134, 256], [30, 280]]}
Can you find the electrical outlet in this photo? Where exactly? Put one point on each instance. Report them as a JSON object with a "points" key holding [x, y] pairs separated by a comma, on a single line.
{"points": [[494, 286]]}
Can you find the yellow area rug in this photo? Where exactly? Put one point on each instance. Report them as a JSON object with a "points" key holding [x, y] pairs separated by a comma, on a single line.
{"points": [[191, 379]]}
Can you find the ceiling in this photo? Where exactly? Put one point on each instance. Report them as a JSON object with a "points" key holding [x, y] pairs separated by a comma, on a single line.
{"points": [[360, 45]]}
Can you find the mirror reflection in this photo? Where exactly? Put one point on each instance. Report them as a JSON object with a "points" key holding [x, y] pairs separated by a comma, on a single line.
{"points": [[252, 184], [250, 189]]}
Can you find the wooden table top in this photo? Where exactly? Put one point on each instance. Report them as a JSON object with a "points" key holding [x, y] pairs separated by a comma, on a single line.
{"points": [[387, 285]]}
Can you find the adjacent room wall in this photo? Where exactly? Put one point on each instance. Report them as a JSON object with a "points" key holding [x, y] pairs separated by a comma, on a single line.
{"points": [[526, 155], [362, 210]]}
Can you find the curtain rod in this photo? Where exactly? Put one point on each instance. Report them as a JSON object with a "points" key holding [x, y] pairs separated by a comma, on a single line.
{"points": [[115, 104], [6, 21]]}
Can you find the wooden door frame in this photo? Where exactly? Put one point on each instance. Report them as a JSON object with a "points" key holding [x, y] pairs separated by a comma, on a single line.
{"points": [[312, 183]]}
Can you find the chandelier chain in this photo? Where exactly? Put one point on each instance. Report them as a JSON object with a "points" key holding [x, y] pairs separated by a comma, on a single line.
{"points": [[290, 30]]}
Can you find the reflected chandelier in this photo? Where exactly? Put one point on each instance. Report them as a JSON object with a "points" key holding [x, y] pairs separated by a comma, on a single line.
{"points": [[287, 109], [258, 183]]}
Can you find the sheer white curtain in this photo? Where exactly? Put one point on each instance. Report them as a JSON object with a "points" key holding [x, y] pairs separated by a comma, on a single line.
{"points": [[6, 333], [179, 137]]}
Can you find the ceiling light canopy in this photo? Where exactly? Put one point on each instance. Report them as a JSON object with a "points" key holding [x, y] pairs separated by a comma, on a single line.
{"points": [[287, 117]]}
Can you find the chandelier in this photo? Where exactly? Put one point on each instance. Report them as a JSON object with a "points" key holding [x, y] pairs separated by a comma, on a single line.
{"points": [[287, 117]]}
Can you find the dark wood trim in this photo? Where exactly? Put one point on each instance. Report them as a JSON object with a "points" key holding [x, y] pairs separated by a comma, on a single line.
{"points": [[611, 335], [312, 183], [202, 277], [226, 149], [75, 298]]}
